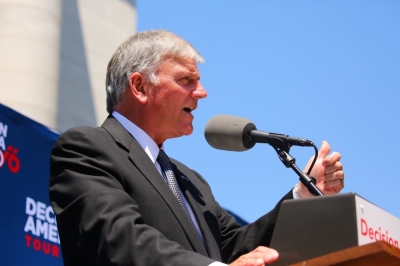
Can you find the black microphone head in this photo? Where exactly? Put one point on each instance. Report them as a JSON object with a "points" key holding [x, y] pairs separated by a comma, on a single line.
{"points": [[231, 133]]}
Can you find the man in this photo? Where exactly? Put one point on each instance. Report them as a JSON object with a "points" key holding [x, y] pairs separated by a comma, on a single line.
{"points": [[118, 199]]}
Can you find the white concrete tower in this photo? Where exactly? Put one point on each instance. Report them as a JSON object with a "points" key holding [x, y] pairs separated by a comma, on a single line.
{"points": [[54, 55], [29, 57]]}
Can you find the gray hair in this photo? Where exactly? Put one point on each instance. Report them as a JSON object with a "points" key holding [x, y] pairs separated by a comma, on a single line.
{"points": [[143, 52]]}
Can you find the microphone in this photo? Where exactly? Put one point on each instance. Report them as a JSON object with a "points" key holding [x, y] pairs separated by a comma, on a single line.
{"points": [[232, 133]]}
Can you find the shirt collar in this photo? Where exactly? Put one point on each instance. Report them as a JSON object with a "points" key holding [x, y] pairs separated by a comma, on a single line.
{"points": [[147, 143]]}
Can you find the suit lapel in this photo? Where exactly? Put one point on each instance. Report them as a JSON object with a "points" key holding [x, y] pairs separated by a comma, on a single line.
{"points": [[144, 164], [199, 209]]}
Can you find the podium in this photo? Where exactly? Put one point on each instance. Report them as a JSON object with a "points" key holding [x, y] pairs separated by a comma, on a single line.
{"points": [[377, 253], [334, 229]]}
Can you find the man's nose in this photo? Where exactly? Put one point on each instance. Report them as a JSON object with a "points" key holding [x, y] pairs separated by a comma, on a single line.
{"points": [[199, 92]]}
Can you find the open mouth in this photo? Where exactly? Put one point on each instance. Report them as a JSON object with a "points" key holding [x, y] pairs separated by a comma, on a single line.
{"points": [[188, 109]]}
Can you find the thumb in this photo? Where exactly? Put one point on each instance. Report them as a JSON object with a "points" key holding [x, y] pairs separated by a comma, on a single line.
{"points": [[324, 150]]}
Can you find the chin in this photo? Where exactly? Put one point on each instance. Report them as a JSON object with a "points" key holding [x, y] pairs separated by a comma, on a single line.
{"points": [[188, 131]]}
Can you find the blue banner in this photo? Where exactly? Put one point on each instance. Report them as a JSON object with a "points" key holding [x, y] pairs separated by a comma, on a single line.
{"points": [[29, 230]]}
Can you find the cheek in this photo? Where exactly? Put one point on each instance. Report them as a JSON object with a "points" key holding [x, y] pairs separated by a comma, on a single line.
{"points": [[159, 101]]}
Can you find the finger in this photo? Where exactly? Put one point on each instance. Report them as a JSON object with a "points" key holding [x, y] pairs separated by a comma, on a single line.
{"points": [[333, 187], [268, 254], [338, 175], [337, 166], [256, 258], [271, 257], [331, 159], [245, 261], [324, 150]]}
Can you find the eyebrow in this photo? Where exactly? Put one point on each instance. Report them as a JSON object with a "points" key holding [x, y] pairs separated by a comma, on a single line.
{"points": [[188, 73]]}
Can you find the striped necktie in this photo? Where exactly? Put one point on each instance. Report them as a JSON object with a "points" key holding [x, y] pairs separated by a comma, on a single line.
{"points": [[167, 167]]}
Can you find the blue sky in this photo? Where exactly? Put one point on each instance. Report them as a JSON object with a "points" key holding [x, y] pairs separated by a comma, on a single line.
{"points": [[322, 70]]}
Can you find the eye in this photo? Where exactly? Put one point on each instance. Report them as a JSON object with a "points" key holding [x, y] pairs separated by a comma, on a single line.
{"points": [[185, 81]]}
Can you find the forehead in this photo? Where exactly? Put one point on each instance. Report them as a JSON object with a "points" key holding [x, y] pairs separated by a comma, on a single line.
{"points": [[179, 65]]}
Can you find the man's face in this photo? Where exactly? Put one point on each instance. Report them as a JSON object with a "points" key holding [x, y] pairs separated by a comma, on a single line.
{"points": [[171, 102]]}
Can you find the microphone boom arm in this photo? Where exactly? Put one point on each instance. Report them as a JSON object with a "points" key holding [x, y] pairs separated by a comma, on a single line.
{"points": [[307, 180], [289, 162]]}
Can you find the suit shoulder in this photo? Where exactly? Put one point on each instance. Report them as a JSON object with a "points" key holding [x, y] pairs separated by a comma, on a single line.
{"points": [[82, 136], [82, 132]]}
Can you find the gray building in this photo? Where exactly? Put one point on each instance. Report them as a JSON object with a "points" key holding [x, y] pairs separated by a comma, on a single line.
{"points": [[54, 55]]}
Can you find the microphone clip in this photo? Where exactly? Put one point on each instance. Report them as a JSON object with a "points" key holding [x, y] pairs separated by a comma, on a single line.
{"points": [[308, 181]]}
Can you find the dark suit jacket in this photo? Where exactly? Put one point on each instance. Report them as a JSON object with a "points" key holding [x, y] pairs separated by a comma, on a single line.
{"points": [[114, 208]]}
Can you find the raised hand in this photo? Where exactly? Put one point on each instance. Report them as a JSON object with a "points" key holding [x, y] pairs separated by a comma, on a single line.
{"points": [[328, 172]]}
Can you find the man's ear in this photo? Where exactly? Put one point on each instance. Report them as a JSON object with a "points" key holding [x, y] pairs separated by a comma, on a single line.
{"points": [[137, 87]]}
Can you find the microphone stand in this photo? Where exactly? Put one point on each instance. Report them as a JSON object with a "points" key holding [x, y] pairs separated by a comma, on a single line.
{"points": [[283, 153]]}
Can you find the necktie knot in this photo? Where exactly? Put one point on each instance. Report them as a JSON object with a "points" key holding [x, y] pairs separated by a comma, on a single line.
{"points": [[163, 159]]}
